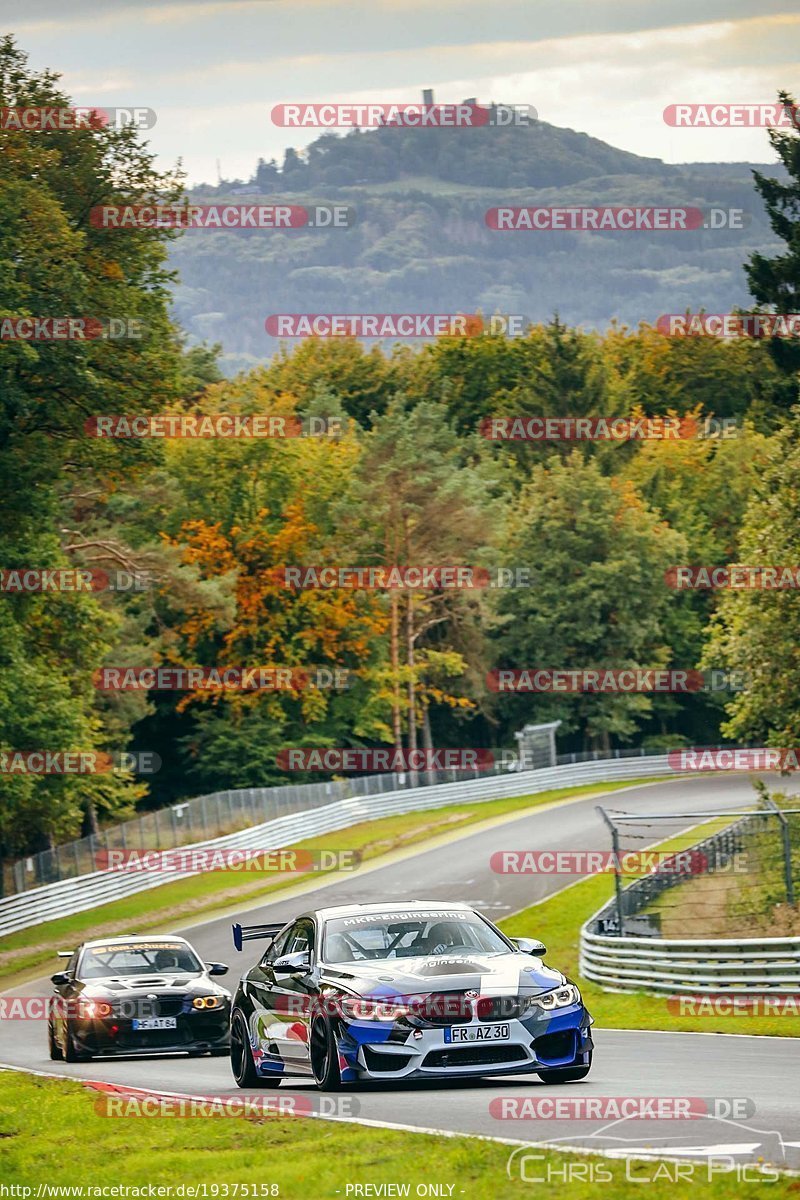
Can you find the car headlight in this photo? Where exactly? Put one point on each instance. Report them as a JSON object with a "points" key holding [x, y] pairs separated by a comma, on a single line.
{"points": [[207, 1002], [89, 1009], [373, 1010], [560, 997]]}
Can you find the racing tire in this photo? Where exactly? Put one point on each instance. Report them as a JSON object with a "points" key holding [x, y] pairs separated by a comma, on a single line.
{"points": [[566, 1074], [324, 1056], [56, 1053], [71, 1052], [241, 1054]]}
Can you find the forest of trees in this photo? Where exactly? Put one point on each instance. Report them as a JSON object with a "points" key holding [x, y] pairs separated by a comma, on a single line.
{"points": [[408, 479]]}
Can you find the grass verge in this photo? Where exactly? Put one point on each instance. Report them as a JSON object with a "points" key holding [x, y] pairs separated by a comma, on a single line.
{"points": [[52, 1135], [558, 920], [199, 895]]}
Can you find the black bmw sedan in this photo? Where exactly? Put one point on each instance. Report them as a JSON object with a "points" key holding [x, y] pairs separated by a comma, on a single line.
{"points": [[137, 995]]}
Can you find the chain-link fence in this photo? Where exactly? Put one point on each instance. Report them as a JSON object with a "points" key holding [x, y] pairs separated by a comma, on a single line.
{"points": [[741, 880], [219, 813]]}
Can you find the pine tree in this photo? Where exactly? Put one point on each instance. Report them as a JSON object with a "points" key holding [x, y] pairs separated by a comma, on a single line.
{"points": [[776, 281]]}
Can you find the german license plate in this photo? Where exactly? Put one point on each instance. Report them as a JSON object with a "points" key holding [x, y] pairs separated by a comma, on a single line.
{"points": [[476, 1033], [155, 1023]]}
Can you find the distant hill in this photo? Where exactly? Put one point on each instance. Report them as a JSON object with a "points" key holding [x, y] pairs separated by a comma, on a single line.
{"points": [[420, 242]]}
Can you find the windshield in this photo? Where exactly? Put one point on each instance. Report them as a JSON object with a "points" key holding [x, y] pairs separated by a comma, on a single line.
{"points": [[401, 935], [139, 958]]}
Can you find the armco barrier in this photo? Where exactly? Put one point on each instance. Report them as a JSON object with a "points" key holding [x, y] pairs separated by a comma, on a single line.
{"points": [[56, 900], [628, 964]]}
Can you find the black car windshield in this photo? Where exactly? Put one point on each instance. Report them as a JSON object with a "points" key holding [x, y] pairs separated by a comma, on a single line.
{"points": [[403, 935], [139, 958]]}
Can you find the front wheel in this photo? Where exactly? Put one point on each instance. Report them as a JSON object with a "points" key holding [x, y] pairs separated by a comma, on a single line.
{"points": [[71, 1052], [56, 1052], [324, 1056], [242, 1065], [566, 1074]]}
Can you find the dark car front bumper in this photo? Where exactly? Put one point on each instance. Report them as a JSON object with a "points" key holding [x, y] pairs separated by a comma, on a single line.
{"points": [[194, 1031]]}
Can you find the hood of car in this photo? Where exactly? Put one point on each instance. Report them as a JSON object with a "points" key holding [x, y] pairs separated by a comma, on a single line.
{"points": [[117, 985], [487, 974]]}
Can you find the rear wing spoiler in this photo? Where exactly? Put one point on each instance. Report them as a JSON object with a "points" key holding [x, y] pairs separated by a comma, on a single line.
{"points": [[250, 933]]}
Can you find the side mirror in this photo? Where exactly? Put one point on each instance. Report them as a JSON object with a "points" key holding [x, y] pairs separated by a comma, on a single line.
{"points": [[530, 946], [293, 964], [217, 968], [60, 978]]}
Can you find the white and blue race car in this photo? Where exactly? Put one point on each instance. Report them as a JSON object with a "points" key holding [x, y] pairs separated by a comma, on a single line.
{"points": [[425, 990]]}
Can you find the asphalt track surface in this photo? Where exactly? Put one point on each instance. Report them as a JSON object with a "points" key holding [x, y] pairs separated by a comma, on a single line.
{"points": [[764, 1072]]}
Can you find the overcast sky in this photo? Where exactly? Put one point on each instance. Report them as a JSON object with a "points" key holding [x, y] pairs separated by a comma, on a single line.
{"points": [[213, 70]]}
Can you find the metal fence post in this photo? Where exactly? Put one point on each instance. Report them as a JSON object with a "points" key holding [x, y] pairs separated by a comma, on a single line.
{"points": [[787, 849], [617, 883]]}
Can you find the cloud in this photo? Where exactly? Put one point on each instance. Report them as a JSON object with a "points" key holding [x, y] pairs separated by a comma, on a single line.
{"points": [[212, 70]]}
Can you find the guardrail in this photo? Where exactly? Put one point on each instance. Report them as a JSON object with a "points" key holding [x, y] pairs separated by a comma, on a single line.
{"points": [[54, 900], [691, 965], [219, 813]]}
